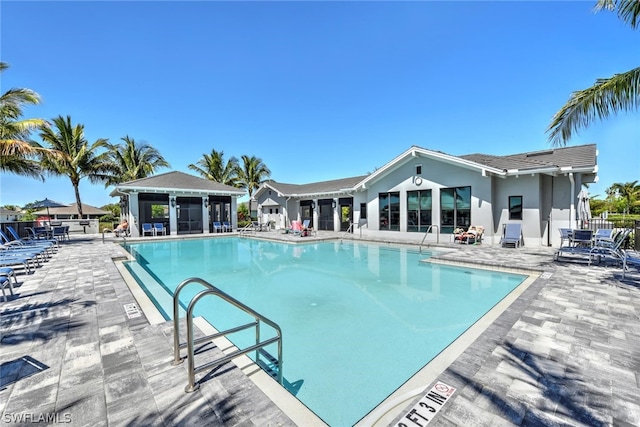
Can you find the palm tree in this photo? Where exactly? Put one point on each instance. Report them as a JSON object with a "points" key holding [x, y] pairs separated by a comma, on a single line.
{"points": [[252, 173], [607, 96], [17, 152], [133, 160], [78, 159], [629, 191], [213, 168]]}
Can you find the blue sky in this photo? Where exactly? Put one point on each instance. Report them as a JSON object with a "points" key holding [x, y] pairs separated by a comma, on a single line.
{"points": [[317, 90]]}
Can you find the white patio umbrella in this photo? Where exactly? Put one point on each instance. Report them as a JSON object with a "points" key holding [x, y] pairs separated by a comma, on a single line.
{"points": [[584, 207]]}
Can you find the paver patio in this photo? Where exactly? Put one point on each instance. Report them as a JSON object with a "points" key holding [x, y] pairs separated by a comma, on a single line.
{"points": [[566, 352]]}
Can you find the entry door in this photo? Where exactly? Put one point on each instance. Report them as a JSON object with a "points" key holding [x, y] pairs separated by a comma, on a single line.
{"points": [[189, 216], [325, 215], [346, 213]]}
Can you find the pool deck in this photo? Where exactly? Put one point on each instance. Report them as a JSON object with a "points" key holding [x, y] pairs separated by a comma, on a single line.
{"points": [[565, 352]]}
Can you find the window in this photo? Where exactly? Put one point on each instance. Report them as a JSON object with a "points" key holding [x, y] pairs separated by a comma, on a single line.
{"points": [[455, 208], [418, 210], [515, 207], [363, 211], [418, 169], [389, 211]]}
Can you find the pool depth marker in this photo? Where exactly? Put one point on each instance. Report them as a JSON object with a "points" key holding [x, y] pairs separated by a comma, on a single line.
{"points": [[427, 407]]}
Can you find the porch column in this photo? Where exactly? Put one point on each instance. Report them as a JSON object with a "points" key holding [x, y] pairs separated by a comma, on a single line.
{"points": [[134, 214], [173, 215], [315, 214], [205, 215]]}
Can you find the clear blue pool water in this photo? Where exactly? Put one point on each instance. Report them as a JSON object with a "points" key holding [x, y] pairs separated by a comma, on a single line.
{"points": [[358, 320]]}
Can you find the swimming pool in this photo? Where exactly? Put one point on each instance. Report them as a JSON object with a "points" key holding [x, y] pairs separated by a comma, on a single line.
{"points": [[358, 319]]}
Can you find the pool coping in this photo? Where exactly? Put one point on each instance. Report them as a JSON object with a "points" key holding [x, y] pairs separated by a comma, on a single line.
{"points": [[396, 403]]}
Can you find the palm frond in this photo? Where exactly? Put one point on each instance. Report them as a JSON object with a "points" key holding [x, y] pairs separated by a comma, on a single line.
{"points": [[627, 10], [603, 99]]}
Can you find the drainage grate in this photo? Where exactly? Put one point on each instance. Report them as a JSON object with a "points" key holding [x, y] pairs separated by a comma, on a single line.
{"points": [[132, 310]]}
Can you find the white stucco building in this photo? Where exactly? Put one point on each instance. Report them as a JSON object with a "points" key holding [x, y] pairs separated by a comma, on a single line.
{"points": [[183, 203], [424, 192]]}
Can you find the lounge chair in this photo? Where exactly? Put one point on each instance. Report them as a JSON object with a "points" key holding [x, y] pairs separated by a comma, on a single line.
{"points": [[26, 247], [11, 261], [512, 235], [6, 274], [471, 236], [603, 235], [148, 228], [217, 227], [306, 230], [26, 241], [158, 227], [37, 253], [602, 251], [612, 251]]}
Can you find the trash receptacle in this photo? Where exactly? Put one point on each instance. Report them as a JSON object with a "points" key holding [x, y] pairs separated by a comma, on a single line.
{"points": [[637, 233]]}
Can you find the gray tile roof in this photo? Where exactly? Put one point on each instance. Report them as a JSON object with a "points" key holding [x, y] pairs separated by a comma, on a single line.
{"points": [[72, 209], [327, 187], [577, 157], [180, 181]]}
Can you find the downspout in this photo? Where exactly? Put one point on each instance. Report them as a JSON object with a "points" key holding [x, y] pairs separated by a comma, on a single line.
{"points": [[572, 212], [553, 180], [286, 217]]}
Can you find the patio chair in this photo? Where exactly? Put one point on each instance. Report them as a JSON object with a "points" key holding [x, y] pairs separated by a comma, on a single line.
{"points": [[512, 235], [565, 235], [148, 228], [226, 226], [159, 228], [60, 233], [217, 227], [581, 238]]}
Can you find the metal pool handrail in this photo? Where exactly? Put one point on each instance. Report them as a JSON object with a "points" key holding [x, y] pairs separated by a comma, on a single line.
{"points": [[212, 290], [349, 230], [427, 233]]}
